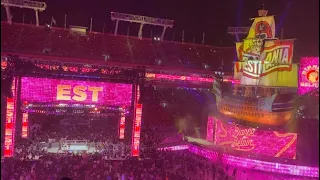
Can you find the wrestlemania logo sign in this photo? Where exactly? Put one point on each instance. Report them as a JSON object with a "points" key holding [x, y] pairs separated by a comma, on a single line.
{"points": [[261, 54], [276, 56]]}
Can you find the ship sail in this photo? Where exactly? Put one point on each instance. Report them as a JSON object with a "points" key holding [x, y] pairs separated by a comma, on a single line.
{"points": [[264, 60], [272, 68], [262, 28]]}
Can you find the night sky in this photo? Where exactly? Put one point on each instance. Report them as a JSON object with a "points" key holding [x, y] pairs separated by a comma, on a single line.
{"points": [[299, 18]]}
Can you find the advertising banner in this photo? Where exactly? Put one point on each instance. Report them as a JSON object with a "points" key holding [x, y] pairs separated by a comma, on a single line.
{"points": [[308, 74], [281, 76], [264, 60]]}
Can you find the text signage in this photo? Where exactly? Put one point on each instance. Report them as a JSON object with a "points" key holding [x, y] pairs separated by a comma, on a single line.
{"points": [[256, 141]]}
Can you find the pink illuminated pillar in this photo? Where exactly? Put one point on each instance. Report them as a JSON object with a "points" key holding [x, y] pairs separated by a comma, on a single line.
{"points": [[122, 126], [135, 150], [210, 124], [25, 125], [308, 74], [10, 123]]}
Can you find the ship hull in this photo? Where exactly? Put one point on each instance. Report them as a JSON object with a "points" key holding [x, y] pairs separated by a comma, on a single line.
{"points": [[255, 110]]}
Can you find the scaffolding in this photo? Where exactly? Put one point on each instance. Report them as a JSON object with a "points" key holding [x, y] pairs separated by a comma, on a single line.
{"points": [[35, 5], [142, 20]]}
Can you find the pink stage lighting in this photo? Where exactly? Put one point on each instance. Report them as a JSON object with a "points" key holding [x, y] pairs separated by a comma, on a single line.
{"points": [[308, 74], [174, 148], [210, 124], [209, 154], [10, 123], [122, 126], [256, 164], [135, 150], [47, 90], [192, 79], [25, 125], [252, 140], [178, 78]]}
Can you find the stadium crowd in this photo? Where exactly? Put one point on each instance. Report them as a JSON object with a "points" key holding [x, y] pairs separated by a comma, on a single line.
{"points": [[98, 138], [109, 157], [160, 165], [101, 47], [110, 160], [32, 161]]}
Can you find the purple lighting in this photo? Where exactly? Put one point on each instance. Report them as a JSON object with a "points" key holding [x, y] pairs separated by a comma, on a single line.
{"points": [[177, 77], [256, 141], [257, 164], [210, 124], [47, 90], [209, 154], [270, 166], [174, 148]]}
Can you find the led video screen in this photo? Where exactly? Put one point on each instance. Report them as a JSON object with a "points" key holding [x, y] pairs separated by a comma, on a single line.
{"points": [[308, 74], [256, 141], [45, 90]]}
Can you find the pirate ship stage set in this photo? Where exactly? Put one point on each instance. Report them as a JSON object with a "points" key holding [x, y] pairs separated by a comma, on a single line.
{"points": [[254, 120], [267, 78], [249, 123]]}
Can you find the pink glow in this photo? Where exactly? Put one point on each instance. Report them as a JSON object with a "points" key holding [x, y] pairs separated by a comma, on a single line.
{"points": [[122, 126], [10, 123], [247, 163], [181, 78], [174, 148], [209, 154], [135, 150], [186, 78], [210, 124], [251, 140], [256, 164], [308, 64], [25, 125], [233, 81], [45, 90]]}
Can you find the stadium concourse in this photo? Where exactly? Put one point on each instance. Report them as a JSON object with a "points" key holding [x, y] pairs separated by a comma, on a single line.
{"points": [[43, 148]]}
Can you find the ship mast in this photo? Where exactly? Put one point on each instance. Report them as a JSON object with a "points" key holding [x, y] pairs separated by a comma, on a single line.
{"points": [[261, 13]]}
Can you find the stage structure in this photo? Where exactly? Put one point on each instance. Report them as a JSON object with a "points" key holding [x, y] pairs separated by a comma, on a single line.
{"points": [[244, 30], [122, 126], [10, 120], [142, 20], [35, 5], [264, 68], [136, 132], [72, 79], [68, 93], [238, 30], [257, 115]]}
